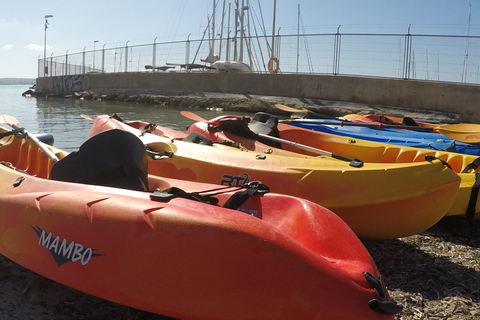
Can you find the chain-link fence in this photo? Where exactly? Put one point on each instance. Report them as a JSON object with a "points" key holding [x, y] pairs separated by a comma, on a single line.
{"points": [[407, 56]]}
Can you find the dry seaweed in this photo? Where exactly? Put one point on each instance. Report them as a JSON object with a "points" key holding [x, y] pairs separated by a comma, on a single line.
{"points": [[434, 275]]}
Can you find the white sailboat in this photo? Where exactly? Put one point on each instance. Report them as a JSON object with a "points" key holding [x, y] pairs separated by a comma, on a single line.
{"points": [[229, 65]]}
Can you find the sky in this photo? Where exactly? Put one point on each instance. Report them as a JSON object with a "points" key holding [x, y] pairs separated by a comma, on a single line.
{"points": [[76, 25]]}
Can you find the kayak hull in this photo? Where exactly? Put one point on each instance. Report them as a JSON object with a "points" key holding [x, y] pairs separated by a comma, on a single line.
{"points": [[182, 258], [424, 140], [374, 152]]}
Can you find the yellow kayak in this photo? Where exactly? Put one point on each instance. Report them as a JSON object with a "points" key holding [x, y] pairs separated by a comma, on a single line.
{"points": [[466, 201], [376, 200]]}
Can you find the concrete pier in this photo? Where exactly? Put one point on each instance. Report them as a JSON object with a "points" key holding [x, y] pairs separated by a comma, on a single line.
{"points": [[448, 97]]}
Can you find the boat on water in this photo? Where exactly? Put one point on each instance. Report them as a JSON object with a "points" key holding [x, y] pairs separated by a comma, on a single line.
{"points": [[268, 129], [376, 200], [94, 220]]}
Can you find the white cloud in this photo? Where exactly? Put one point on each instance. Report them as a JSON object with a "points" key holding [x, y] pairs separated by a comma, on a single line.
{"points": [[36, 47], [7, 47]]}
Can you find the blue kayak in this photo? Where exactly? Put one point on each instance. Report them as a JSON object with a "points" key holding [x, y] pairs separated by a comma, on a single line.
{"points": [[409, 138]]}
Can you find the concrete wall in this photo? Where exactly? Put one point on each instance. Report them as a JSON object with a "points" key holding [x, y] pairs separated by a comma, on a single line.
{"points": [[430, 95]]}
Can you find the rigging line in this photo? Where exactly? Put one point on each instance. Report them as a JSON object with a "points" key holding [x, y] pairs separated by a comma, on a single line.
{"points": [[201, 41], [179, 19], [260, 48], [262, 25], [307, 48], [264, 30], [249, 39]]}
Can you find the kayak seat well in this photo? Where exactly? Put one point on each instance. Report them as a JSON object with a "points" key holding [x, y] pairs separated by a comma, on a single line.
{"points": [[261, 122], [114, 158], [26, 156], [266, 124]]}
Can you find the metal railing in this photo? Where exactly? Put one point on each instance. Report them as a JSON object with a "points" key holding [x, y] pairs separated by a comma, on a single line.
{"points": [[407, 56]]}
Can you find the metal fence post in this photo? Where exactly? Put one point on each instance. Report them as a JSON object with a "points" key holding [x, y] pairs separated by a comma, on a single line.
{"points": [[83, 61], [407, 54], [126, 56], [336, 51], [103, 59], [154, 55], [66, 63]]}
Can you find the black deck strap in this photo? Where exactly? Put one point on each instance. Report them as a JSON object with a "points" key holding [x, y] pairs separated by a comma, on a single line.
{"points": [[472, 166], [174, 192], [117, 117], [238, 198], [148, 128], [383, 304], [198, 138], [228, 143], [445, 163], [46, 138], [234, 202], [8, 133], [472, 203]]}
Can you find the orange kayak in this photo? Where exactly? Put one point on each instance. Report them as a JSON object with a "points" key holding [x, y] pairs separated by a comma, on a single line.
{"points": [[166, 253], [376, 200]]}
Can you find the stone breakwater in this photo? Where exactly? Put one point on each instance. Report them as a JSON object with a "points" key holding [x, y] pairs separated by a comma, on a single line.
{"points": [[250, 103]]}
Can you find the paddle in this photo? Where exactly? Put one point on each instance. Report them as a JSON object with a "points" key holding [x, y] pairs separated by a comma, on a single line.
{"points": [[289, 109], [354, 162], [84, 116], [305, 111], [463, 132], [13, 122], [192, 116]]}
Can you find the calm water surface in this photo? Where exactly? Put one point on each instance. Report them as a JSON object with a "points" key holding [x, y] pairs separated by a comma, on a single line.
{"points": [[61, 117]]}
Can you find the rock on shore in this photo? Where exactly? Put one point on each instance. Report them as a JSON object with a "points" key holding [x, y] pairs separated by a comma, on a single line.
{"points": [[252, 103]]}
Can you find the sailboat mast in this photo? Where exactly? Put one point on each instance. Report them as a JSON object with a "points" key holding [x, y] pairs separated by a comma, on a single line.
{"points": [[236, 31], [212, 53], [298, 35], [228, 31], [272, 54], [221, 30], [242, 27], [467, 45]]}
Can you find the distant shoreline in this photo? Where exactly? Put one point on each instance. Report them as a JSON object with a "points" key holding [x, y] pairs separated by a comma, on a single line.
{"points": [[17, 81]]}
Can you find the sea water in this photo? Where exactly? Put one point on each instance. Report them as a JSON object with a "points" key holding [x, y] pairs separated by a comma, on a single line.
{"points": [[61, 117]]}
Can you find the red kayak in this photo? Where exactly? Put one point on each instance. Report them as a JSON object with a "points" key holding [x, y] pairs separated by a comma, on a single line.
{"points": [[95, 221]]}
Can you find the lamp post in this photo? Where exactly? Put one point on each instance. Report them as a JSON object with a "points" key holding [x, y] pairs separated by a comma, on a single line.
{"points": [[94, 54], [45, 69]]}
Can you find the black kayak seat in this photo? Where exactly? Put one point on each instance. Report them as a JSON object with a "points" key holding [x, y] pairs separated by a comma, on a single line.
{"points": [[264, 123], [113, 158]]}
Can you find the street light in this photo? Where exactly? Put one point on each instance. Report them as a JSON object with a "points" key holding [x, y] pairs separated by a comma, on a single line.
{"points": [[94, 54], [45, 69]]}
